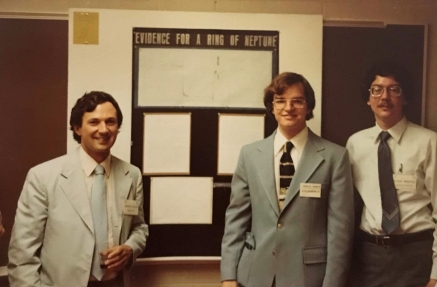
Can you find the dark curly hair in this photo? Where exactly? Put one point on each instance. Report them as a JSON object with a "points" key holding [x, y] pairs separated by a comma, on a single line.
{"points": [[88, 103], [388, 69]]}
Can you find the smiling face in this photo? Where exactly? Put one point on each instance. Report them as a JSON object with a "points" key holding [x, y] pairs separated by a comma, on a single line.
{"points": [[388, 109], [291, 120], [98, 131]]}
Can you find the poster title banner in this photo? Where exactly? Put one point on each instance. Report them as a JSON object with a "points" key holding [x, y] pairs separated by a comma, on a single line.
{"points": [[206, 38]]}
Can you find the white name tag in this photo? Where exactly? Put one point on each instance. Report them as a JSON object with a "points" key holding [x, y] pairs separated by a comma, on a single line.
{"points": [[405, 182], [310, 190], [130, 207]]}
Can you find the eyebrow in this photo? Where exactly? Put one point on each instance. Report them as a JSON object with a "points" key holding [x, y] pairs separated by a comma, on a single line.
{"points": [[300, 97], [99, 119]]}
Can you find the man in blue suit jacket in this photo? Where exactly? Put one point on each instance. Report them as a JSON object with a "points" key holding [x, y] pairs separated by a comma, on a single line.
{"points": [[302, 239]]}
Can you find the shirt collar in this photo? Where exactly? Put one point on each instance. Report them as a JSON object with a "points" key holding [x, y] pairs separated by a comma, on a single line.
{"points": [[89, 164], [395, 131], [298, 141]]}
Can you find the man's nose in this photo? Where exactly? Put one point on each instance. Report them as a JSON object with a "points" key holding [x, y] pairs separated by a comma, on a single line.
{"points": [[288, 105], [385, 93], [103, 127]]}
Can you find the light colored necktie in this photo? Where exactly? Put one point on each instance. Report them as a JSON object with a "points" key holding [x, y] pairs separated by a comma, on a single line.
{"points": [[286, 172], [100, 219], [389, 197]]}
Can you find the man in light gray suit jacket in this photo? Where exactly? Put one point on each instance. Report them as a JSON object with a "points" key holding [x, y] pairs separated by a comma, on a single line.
{"points": [[300, 236], [53, 238]]}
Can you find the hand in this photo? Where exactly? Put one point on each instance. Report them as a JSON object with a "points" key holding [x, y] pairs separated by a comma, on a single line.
{"points": [[229, 283], [117, 257], [2, 229], [431, 283]]}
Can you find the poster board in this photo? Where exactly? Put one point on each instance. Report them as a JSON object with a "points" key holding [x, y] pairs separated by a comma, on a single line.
{"points": [[109, 66]]}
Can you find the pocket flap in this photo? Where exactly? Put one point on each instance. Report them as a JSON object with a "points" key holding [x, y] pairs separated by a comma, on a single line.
{"points": [[313, 255], [250, 241]]}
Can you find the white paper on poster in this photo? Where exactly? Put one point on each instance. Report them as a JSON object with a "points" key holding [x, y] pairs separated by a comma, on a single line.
{"points": [[203, 77], [234, 132], [166, 147], [181, 200]]}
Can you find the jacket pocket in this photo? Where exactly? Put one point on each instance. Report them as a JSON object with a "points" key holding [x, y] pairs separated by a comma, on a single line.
{"points": [[250, 241], [314, 259], [245, 261]]}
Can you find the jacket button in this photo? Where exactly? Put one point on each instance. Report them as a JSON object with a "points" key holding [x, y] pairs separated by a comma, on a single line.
{"points": [[280, 226], [274, 252]]}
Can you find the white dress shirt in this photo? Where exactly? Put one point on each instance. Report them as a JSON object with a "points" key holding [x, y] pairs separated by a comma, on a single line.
{"points": [[298, 142], [413, 152], [88, 165]]}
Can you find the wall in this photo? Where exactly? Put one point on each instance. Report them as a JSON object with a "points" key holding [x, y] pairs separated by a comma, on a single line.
{"points": [[353, 11], [347, 11], [300, 49]]}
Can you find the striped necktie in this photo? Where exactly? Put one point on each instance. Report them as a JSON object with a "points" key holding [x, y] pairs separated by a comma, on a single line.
{"points": [[286, 172]]}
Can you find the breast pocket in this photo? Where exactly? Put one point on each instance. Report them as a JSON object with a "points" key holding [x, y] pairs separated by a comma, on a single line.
{"points": [[314, 259]]}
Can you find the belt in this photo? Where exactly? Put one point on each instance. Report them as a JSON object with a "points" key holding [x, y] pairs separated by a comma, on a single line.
{"points": [[396, 239]]}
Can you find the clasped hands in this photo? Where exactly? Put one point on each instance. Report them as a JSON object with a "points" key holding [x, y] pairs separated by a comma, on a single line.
{"points": [[117, 257]]}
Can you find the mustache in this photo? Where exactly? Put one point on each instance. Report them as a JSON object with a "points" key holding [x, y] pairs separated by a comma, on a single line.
{"points": [[385, 104]]}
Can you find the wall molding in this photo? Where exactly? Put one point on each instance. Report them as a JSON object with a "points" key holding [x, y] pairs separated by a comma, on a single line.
{"points": [[42, 16]]}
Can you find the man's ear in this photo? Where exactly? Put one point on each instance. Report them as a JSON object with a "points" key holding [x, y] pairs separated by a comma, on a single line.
{"points": [[78, 130]]}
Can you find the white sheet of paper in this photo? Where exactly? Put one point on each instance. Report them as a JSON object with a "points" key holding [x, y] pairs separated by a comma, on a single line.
{"points": [[203, 77], [234, 132], [166, 146], [181, 200]]}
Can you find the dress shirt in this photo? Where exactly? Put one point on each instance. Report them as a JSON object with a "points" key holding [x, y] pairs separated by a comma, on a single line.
{"points": [[413, 152], [298, 142], [88, 165]]}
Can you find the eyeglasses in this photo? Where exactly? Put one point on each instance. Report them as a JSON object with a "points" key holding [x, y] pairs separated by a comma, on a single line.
{"points": [[394, 91], [295, 103]]}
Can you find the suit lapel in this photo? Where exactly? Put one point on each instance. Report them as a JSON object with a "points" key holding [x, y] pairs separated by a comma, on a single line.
{"points": [[122, 186], [75, 189], [266, 170], [308, 164]]}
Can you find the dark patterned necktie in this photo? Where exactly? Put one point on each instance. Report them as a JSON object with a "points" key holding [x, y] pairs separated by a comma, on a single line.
{"points": [[286, 172], [389, 197]]}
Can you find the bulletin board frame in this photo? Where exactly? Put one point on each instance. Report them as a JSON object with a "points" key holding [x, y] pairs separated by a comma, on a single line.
{"points": [[204, 133]]}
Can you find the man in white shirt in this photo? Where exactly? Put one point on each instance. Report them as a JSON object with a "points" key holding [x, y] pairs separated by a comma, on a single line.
{"points": [[64, 235], [290, 218], [396, 238]]}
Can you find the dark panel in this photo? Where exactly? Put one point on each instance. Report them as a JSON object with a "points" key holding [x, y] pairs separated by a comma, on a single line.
{"points": [[33, 104], [191, 239], [348, 52]]}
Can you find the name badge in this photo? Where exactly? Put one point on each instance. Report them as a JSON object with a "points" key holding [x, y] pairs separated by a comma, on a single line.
{"points": [[310, 190], [130, 207], [406, 182]]}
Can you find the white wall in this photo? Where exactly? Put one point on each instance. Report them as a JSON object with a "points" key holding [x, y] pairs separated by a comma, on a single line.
{"points": [[108, 65]]}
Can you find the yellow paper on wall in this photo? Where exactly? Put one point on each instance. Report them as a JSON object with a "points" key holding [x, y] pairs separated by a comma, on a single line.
{"points": [[86, 28]]}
